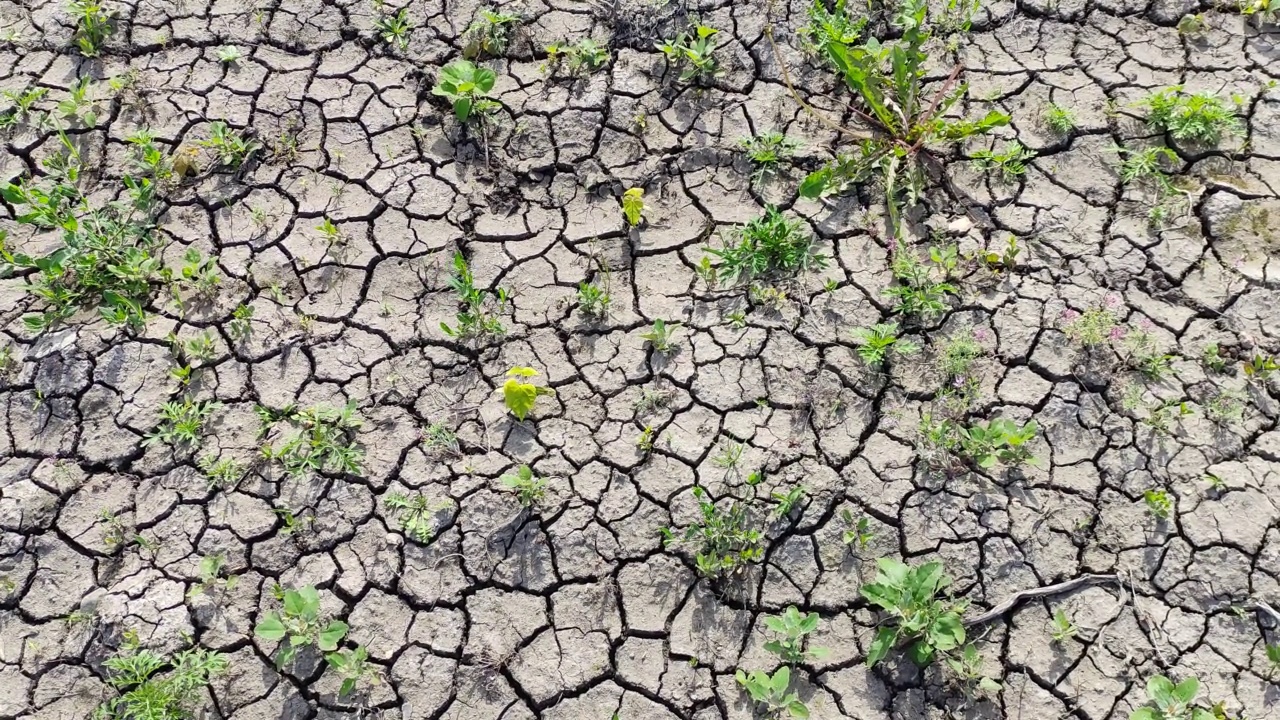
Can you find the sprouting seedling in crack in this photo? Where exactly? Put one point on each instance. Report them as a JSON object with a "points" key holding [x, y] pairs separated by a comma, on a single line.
{"points": [[300, 621], [519, 395]]}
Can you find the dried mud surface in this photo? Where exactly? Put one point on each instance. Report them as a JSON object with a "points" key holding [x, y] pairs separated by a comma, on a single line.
{"points": [[577, 611]]}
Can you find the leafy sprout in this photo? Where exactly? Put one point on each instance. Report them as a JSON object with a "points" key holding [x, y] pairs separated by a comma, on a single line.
{"points": [[919, 613], [300, 621], [770, 245], [466, 86]]}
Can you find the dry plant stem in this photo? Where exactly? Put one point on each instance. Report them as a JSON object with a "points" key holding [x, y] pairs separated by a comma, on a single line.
{"points": [[1266, 608], [1013, 600]]}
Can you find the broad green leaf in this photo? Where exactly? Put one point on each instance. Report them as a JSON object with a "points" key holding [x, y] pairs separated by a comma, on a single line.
{"points": [[920, 653], [347, 686], [294, 604], [519, 397], [815, 183], [798, 710], [332, 635], [884, 641], [988, 685], [895, 572], [1185, 692], [1145, 714], [462, 108], [947, 632], [1160, 689], [781, 680], [881, 595], [270, 629]]}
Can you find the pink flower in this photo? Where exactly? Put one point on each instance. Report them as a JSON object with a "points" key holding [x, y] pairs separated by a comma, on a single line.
{"points": [[1112, 300], [1146, 325], [1068, 315], [981, 335], [1117, 333]]}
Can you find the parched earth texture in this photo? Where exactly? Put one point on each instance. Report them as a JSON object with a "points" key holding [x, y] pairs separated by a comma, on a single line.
{"points": [[576, 610]]}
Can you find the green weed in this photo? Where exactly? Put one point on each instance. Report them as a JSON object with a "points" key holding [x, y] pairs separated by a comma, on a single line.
{"points": [[528, 488], [894, 103], [726, 541], [661, 335], [413, 514], [210, 577], [1196, 117], [1060, 120], [918, 611], [489, 33], [300, 621], [182, 423], [856, 532], [793, 626], [584, 55], [693, 52], [1010, 163], [474, 320], [353, 667], [466, 86], [394, 29], [771, 693], [317, 439], [876, 342], [232, 148], [633, 205], [154, 687], [1166, 701], [770, 245], [1000, 440], [94, 24], [766, 151]]}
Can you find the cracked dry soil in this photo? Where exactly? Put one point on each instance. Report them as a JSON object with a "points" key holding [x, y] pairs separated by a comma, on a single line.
{"points": [[577, 611]]}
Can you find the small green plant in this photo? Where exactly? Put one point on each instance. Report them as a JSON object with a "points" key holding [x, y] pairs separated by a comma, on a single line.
{"points": [[229, 54], [1199, 118], [440, 439], [232, 148], [876, 342], [1147, 165], [793, 626], [766, 151], [300, 621], [693, 52], [585, 55], [1267, 11], [94, 24], [1010, 163], [967, 667], [1092, 328], [730, 455], [835, 25], [1060, 120], [857, 532], [593, 300], [224, 473], [210, 577], [474, 320], [149, 691], [489, 33], [1212, 359], [466, 86], [1167, 701], [1273, 657], [240, 327], [1260, 368], [770, 245], [772, 693], [520, 395], [1063, 629], [1192, 24], [181, 423], [1159, 502], [413, 514], [353, 667], [787, 501], [23, 105], [317, 439], [633, 205], [394, 29], [918, 293], [726, 542], [918, 613], [1000, 440], [528, 488], [661, 336]]}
